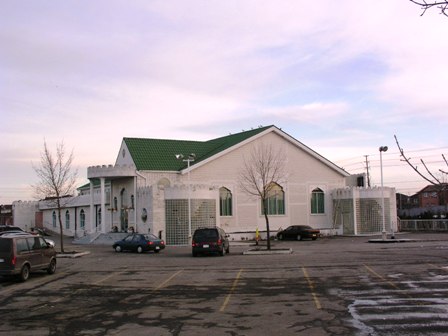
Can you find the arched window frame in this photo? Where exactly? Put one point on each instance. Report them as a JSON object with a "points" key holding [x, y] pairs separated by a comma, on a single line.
{"points": [[317, 201], [275, 201], [53, 216], [225, 202], [67, 219], [98, 216], [82, 218]]}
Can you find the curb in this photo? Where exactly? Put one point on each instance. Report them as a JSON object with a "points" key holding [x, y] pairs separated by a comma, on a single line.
{"points": [[264, 251], [72, 255], [388, 241]]}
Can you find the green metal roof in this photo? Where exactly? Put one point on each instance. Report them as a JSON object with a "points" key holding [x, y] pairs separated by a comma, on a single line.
{"points": [[159, 154]]}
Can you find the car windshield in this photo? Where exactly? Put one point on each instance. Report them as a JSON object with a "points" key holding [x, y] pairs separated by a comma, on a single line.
{"points": [[150, 236]]}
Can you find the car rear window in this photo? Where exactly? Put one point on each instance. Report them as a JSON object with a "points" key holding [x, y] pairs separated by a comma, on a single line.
{"points": [[205, 235], [5, 245]]}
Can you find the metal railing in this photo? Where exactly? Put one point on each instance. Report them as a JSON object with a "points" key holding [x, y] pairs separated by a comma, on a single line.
{"points": [[423, 225]]}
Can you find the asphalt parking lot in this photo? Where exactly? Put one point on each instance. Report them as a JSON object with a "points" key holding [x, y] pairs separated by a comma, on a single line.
{"points": [[332, 286]]}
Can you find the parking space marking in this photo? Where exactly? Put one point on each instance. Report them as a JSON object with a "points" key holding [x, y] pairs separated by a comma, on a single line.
{"points": [[34, 283], [312, 288], [107, 277], [232, 289], [385, 280], [163, 284], [444, 268]]}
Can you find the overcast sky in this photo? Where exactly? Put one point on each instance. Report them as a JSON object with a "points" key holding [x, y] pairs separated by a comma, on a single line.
{"points": [[340, 76]]}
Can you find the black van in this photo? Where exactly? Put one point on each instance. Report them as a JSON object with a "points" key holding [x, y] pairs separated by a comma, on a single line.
{"points": [[22, 253], [210, 240]]}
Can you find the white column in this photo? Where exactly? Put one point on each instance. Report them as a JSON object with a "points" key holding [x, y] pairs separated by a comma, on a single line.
{"points": [[103, 205], [135, 204], [355, 197], [92, 210]]}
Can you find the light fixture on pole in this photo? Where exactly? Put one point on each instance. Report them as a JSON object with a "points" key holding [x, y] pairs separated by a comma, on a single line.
{"points": [[382, 149], [190, 158]]}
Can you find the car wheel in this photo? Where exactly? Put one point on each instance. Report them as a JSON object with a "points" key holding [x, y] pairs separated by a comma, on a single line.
{"points": [[139, 249], [52, 267], [118, 248], [195, 254], [299, 237], [24, 273], [280, 237], [314, 238]]}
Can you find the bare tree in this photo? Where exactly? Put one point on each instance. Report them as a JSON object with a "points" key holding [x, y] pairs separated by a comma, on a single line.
{"points": [[56, 179], [428, 175], [425, 5], [262, 171]]}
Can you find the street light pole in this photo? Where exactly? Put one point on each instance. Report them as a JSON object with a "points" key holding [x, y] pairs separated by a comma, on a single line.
{"points": [[382, 149], [191, 157]]}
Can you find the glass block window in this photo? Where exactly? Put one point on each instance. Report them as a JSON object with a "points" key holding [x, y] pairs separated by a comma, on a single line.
{"points": [[317, 201], [225, 202], [275, 201], [203, 214]]}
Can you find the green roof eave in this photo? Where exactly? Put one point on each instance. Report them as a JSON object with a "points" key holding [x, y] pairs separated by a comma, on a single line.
{"points": [[159, 154]]}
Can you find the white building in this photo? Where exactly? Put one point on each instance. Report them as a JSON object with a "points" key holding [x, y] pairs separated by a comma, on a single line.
{"points": [[148, 189]]}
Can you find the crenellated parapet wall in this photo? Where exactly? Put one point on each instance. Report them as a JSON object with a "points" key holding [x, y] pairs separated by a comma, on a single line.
{"points": [[25, 204], [361, 192], [200, 191], [111, 171], [24, 213]]}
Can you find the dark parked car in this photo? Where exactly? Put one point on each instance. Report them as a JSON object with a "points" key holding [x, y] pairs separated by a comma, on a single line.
{"points": [[210, 240], [9, 228], [139, 243], [21, 254], [298, 232]]}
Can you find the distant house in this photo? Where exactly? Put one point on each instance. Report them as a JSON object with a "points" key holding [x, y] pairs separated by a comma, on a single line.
{"points": [[433, 195], [150, 189], [429, 202]]}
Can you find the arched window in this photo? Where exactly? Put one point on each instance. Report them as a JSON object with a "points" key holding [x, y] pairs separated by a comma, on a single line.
{"points": [[225, 202], [98, 216], [54, 218], [275, 202], [123, 198], [82, 218], [317, 201], [67, 219]]}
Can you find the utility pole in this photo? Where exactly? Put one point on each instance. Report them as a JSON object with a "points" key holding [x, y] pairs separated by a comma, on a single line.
{"points": [[367, 168]]}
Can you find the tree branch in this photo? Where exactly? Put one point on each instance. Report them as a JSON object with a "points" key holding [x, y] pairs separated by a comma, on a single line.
{"points": [[442, 5], [408, 161]]}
